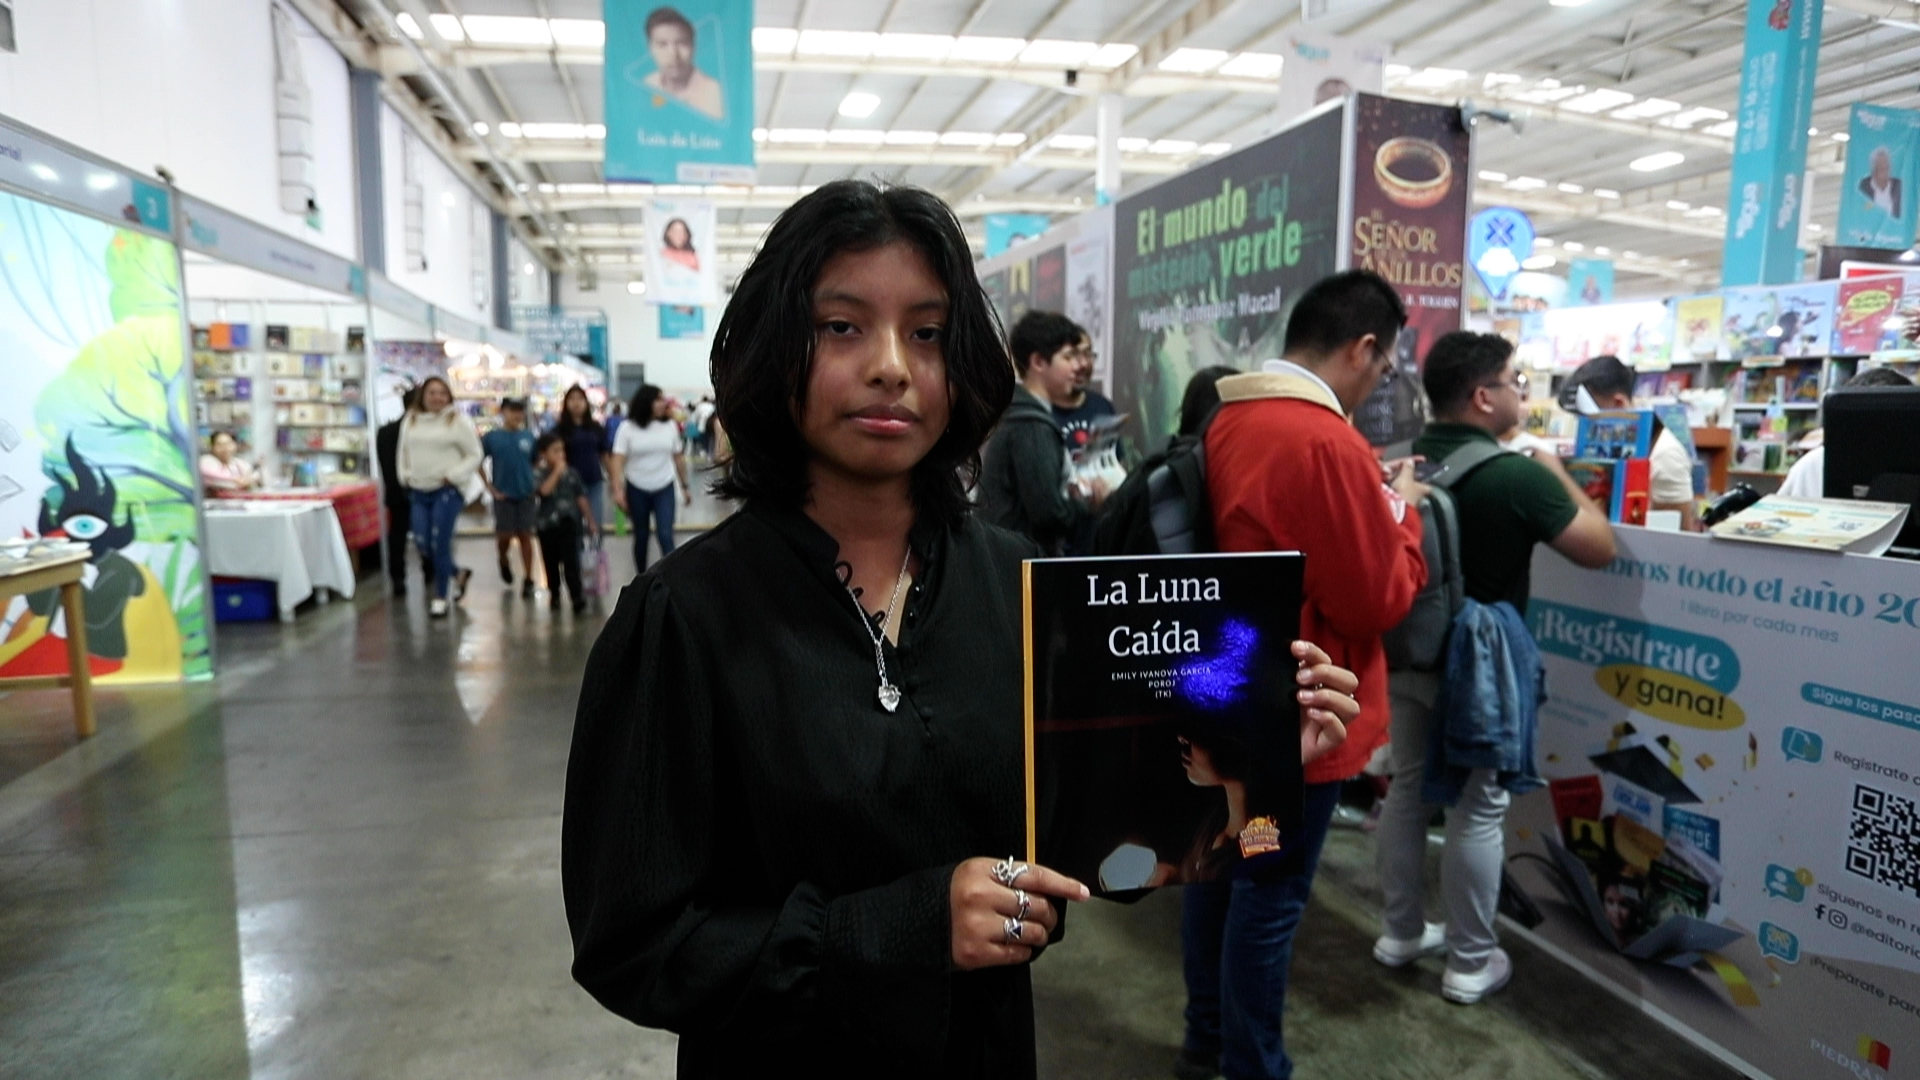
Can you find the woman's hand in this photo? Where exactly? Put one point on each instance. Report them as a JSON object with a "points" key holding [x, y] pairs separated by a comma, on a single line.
{"points": [[1327, 702], [620, 498], [982, 901]]}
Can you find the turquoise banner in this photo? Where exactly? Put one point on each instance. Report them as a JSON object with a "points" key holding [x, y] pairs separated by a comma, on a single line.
{"points": [[678, 322], [1589, 282], [1770, 147], [679, 91], [1880, 192]]}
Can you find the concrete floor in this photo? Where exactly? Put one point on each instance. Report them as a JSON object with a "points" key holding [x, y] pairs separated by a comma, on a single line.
{"points": [[340, 860]]}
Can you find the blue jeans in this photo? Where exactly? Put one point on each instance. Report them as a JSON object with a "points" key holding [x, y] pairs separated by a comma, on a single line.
{"points": [[434, 515], [1237, 941], [597, 498], [659, 504]]}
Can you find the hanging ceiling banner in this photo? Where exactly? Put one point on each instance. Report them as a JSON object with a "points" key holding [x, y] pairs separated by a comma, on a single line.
{"points": [[682, 258], [1880, 193], [1589, 282], [1499, 239], [1322, 67], [679, 86], [1770, 145]]}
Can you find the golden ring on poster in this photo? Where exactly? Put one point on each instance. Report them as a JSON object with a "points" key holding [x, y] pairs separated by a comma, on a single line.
{"points": [[1414, 173]]}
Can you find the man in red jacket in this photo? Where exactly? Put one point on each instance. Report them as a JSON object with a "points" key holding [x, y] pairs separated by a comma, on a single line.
{"points": [[1287, 471]]}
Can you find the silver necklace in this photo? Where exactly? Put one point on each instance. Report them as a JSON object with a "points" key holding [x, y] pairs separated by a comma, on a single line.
{"points": [[889, 693]]}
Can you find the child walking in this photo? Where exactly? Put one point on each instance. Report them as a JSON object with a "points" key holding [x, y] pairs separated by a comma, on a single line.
{"points": [[564, 516]]}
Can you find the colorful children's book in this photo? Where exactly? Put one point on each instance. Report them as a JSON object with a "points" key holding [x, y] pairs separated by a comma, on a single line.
{"points": [[1622, 434]]}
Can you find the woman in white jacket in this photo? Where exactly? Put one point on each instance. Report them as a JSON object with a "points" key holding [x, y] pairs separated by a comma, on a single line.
{"points": [[438, 457]]}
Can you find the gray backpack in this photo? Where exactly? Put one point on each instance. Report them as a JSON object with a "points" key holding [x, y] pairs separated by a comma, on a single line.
{"points": [[1419, 643]]}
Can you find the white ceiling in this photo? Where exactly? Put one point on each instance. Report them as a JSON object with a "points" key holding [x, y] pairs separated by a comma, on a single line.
{"points": [[1667, 74]]}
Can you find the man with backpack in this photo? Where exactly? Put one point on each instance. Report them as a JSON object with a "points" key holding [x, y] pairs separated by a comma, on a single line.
{"points": [[1024, 485], [1285, 470], [1489, 508]]}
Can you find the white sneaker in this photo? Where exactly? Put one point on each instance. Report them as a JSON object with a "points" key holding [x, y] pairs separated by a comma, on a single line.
{"points": [[438, 608], [1467, 989], [1395, 952]]}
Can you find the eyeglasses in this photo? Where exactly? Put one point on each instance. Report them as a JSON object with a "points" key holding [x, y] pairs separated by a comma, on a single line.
{"points": [[1519, 382]]}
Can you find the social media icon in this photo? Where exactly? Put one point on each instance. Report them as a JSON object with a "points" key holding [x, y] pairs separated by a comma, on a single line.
{"points": [[1785, 883], [1799, 744], [1835, 918], [1780, 942]]}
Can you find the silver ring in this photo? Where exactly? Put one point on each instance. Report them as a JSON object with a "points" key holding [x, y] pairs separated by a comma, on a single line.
{"points": [[1007, 871], [1025, 901], [1013, 928]]}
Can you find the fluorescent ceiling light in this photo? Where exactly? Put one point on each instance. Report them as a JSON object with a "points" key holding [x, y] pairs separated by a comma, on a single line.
{"points": [[1492, 177], [1570, 189], [1648, 109], [1605, 193], [1009, 138], [509, 129], [1574, 245], [408, 26], [1435, 77], [966, 138], [856, 137], [854, 43], [1073, 142], [1709, 211], [636, 288], [1111, 55], [1629, 254], [796, 135], [859, 105], [1725, 128], [912, 138], [1597, 101], [446, 198], [448, 26], [1187, 61], [1526, 183], [480, 128], [1254, 65], [580, 33], [989, 50], [759, 134], [1841, 136], [1665, 159], [1602, 249], [913, 46], [1215, 148], [1676, 204], [776, 40], [1050, 53], [1542, 242], [1565, 3], [1538, 262], [507, 30], [1130, 144], [1499, 78], [1695, 115], [1172, 146]]}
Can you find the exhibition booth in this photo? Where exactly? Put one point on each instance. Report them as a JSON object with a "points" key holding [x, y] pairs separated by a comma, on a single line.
{"points": [[1732, 725]]}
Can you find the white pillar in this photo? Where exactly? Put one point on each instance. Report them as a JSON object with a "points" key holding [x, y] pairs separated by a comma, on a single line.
{"points": [[1109, 112]]}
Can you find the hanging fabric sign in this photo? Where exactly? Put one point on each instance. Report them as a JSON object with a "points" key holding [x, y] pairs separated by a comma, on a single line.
{"points": [[1878, 197], [1770, 144], [681, 254], [1498, 241], [679, 91]]}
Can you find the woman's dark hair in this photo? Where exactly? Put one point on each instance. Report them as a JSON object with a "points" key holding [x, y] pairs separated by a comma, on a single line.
{"points": [[763, 348], [1202, 394], [213, 440], [666, 234], [565, 424], [1459, 364], [641, 411]]}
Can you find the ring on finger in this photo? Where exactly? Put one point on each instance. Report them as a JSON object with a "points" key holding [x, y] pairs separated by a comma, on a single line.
{"points": [[1013, 929], [1007, 871], [1026, 902]]}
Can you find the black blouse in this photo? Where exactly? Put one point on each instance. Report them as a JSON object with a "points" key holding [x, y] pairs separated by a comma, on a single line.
{"points": [[755, 854]]}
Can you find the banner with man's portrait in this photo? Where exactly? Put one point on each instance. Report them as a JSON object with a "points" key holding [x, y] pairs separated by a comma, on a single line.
{"points": [[1878, 199], [679, 91], [682, 258]]}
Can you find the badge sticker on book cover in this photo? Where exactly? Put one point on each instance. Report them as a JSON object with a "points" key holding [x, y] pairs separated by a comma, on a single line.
{"points": [[1260, 837]]}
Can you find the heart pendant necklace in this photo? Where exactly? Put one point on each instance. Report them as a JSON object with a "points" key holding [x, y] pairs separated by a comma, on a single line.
{"points": [[889, 693]]}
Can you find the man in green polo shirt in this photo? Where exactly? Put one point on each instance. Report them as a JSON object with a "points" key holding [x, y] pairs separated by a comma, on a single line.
{"points": [[1506, 506]]}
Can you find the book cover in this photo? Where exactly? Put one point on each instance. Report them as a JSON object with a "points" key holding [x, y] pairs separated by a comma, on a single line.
{"points": [[1620, 434], [1595, 476], [1163, 736], [1839, 525], [1861, 321], [1632, 491]]}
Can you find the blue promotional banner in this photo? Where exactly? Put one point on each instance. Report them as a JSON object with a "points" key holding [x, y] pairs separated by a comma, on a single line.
{"points": [[1499, 239], [679, 86], [1589, 282], [1881, 189], [1770, 146], [678, 322], [1010, 230]]}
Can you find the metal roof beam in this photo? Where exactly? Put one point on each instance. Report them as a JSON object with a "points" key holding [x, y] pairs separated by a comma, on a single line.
{"points": [[592, 150]]}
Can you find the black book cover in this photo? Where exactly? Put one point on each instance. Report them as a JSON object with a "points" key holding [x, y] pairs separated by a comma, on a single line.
{"points": [[1163, 735]]}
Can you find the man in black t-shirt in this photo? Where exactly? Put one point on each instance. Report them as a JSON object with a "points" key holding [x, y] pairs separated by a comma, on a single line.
{"points": [[1078, 410], [1506, 506]]}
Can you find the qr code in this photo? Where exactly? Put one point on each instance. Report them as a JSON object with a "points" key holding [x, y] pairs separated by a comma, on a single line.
{"points": [[1883, 840]]}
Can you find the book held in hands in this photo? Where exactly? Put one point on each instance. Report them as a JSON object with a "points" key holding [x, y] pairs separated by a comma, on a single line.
{"points": [[1163, 731]]}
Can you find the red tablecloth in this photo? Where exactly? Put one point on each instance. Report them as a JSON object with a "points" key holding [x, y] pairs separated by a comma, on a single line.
{"points": [[358, 507]]}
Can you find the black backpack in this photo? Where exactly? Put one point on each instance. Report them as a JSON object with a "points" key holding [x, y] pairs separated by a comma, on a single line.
{"points": [[1161, 508], [1419, 643]]}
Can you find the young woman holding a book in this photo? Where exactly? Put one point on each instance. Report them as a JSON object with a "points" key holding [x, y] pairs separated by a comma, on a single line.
{"points": [[797, 765]]}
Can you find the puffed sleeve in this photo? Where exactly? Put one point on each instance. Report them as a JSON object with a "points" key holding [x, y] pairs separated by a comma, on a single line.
{"points": [[661, 934]]}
